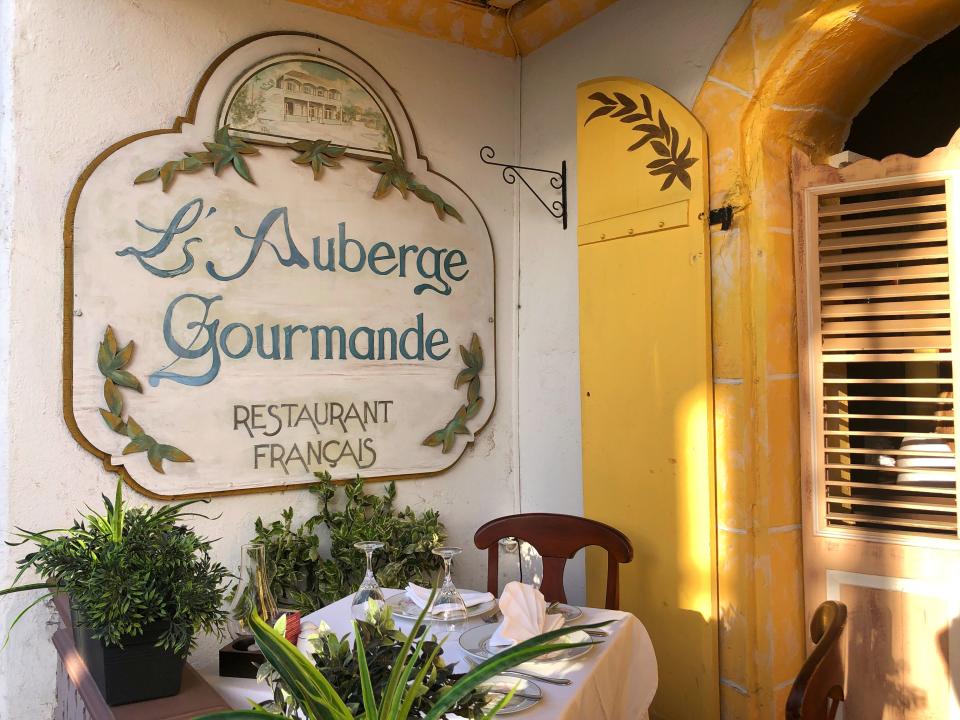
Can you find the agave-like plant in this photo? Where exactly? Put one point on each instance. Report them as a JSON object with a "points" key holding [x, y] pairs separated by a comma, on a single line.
{"points": [[318, 699]]}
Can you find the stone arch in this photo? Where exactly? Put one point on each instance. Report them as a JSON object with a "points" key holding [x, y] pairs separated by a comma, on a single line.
{"points": [[792, 74]]}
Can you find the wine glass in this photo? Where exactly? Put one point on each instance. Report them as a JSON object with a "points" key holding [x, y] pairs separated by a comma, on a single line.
{"points": [[369, 596], [448, 609]]}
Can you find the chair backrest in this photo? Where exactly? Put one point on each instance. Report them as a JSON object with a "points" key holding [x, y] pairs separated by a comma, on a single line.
{"points": [[557, 538], [818, 690]]}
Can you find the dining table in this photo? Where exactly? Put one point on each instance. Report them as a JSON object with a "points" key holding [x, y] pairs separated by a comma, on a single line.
{"points": [[615, 680]]}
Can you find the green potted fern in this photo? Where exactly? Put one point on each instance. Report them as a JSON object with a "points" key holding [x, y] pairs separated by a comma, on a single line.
{"points": [[142, 587]]}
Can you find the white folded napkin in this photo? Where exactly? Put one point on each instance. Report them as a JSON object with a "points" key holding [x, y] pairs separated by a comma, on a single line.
{"points": [[420, 595], [524, 615]]}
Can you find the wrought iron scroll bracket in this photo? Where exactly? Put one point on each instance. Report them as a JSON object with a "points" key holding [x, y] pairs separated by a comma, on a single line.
{"points": [[558, 181]]}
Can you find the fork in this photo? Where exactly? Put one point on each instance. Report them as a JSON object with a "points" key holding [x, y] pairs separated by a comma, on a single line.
{"points": [[516, 694]]}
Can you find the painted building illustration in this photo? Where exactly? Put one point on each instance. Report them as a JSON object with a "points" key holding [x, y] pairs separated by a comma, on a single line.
{"points": [[307, 100], [300, 98]]}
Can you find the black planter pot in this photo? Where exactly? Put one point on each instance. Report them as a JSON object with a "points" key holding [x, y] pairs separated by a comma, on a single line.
{"points": [[138, 671]]}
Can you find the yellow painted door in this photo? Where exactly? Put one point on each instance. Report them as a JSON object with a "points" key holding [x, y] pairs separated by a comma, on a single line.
{"points": [[646, 379]]}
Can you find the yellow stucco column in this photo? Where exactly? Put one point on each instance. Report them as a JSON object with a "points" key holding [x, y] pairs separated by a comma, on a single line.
{"points": [[792, 74]]}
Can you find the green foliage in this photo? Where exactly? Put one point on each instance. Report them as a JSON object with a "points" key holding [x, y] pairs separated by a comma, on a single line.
{"points": [[127, 568], [446, 436], [307, 581], [394, 174], [318, 699], [383, 642], [293, 555], [224, 150], [111, 360], [318, 155]]}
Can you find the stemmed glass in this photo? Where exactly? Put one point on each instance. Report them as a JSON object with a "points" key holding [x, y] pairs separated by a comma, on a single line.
{"points": [[369, 596], [448, 609]]}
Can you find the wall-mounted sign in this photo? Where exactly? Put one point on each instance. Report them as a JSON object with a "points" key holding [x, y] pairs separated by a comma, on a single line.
{"points": [[277, 286]]}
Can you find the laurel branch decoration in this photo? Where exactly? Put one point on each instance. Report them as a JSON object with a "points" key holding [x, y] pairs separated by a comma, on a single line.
{"points": [[318, 154], [394, 174], [224, 150], [111, 360], [470, 375], [663, 137]]}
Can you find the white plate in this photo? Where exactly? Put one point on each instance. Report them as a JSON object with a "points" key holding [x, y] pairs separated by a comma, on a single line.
{"points": [[922, 478], [506, 683], [476, 643], [926, 462], [405, 608]]}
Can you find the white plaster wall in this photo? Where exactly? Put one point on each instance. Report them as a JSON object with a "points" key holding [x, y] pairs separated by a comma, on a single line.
{"points": [[671, 45], [87, 73]]}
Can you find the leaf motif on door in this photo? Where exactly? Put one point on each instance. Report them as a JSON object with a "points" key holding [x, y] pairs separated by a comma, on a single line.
{"points": [[663, 137]]}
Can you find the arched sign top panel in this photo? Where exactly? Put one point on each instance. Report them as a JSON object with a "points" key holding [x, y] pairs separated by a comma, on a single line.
{"points": [[304, 97], [277, 286]]}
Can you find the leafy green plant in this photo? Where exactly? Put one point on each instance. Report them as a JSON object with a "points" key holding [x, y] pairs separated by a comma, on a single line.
{"points": [[318, 699], [127, 568], [293, 556], [383, 643], [305, 580]]}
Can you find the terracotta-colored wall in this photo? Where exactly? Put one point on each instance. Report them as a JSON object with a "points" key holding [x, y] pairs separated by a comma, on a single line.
{"points": [[792, 74]]}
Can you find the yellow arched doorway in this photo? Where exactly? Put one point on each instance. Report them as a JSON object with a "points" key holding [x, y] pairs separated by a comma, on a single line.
{"points": [[793, 74]]}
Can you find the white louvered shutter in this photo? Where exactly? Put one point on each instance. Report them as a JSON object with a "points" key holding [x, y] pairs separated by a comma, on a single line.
{"points": [[878, 264]]}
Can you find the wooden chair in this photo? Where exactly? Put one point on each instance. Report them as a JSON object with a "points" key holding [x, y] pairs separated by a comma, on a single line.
{"points": [[818, 690], [557, 538]]}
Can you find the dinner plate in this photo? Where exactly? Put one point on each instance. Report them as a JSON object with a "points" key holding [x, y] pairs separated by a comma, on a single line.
{"points": [[405, 608], [476, 643], [506, 683]]}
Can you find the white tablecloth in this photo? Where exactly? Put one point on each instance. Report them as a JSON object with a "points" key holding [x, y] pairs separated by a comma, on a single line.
{"points": [[616, 680]]}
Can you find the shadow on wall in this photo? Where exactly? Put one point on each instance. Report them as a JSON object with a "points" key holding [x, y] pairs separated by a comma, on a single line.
{"points": [[943, 645], [870, 641]]}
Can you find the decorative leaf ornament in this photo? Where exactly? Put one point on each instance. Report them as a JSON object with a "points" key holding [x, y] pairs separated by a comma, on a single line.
{"points": [[318, 155], [470, 375], [394, 174], [663, 137], [224, 150], [111, 360]]}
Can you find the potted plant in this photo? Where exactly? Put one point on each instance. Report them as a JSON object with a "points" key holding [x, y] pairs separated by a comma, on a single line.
{"points": [[383, 642], [141, 586], [312, 696]]}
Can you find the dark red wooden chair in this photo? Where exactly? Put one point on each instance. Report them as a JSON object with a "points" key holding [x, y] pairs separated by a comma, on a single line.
{"points": [[818, 690], [557, 538]]}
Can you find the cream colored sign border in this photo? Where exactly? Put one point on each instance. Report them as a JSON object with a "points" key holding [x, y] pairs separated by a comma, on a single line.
{"points": [[68, 290]]}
